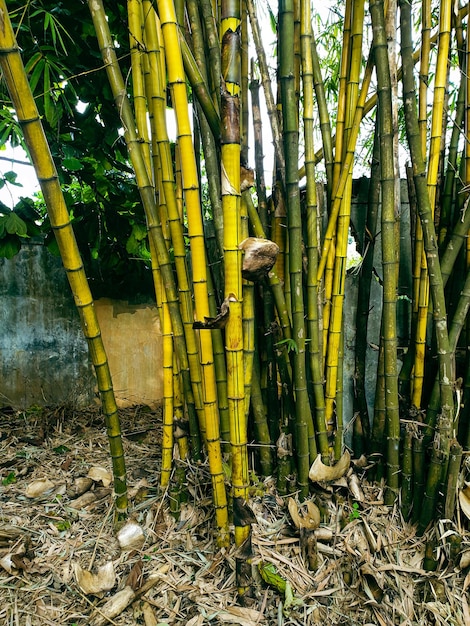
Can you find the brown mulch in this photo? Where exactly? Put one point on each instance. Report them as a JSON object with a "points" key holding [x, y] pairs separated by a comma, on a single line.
{"points": [[366, 565]]}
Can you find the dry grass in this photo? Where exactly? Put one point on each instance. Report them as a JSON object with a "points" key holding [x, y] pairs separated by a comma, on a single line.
{"points": [[369, 565]]}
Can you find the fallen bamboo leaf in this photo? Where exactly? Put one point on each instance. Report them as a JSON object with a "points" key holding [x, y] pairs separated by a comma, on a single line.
{"points": [[319, 472], [8, 565], [464, 559], [240, 615], [148, 614], [95, 583], [371, 584]]}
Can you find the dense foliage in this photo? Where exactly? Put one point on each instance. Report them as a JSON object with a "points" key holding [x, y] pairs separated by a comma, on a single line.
{"points": [[66, 73]]}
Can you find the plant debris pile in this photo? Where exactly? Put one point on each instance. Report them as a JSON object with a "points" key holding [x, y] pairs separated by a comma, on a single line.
{"points": [[63, 562]]}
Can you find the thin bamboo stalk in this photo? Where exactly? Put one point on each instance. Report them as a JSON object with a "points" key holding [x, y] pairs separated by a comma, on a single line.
{"points": [[266, 82], [311, 208], [22, 99], [303, 417], [446, 373], [167, 433], [389, 257]]}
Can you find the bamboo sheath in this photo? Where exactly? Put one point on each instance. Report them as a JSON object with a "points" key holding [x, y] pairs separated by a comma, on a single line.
{"points": [[23, 101]]}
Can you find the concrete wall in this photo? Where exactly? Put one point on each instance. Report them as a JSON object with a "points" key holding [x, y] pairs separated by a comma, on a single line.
{"points": [[43, 355]]}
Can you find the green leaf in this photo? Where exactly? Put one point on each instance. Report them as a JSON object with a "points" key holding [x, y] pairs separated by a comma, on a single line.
{"points": [[9, 479], [72, 164], [9, 247], [269, 574], [62, 449], [15, 225], [11, 178]]}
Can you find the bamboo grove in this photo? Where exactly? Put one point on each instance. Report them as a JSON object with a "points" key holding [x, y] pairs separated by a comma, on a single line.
{"points": [[251, 274]]}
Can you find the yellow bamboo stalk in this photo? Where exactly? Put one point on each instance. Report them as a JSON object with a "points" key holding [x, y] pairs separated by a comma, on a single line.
{"points": [[177, 84], [156, 96], [231, 208], [22, 99], [437, 120], [167, 434], [354, 63], [342, 91]]}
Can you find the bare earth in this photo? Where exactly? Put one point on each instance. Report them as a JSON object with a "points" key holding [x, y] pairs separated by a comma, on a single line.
{"points": [[61, 562]]}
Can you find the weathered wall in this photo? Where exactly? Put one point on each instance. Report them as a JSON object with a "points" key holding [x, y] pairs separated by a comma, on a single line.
{"points": [[133, 343], [43, 355]]}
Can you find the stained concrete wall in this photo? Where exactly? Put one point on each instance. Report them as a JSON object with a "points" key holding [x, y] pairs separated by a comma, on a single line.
{"points": [[43, 356]]}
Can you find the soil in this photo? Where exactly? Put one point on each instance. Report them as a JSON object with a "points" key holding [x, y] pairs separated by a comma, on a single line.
{"points": [[64, 562]]}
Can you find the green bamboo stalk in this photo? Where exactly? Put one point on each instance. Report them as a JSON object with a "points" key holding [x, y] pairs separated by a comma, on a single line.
{"points": [[244, 100], [407, 475], [419, 476], [258, 146], [199, 86], [291, 150], [428, 504], [324, 120], [450, 494], [446, 217], [22, 99], [389, 258], [260, 424], [266, 82], [456, 327], [213, 49], [379, 421], [311, 209], [363, 302]]}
